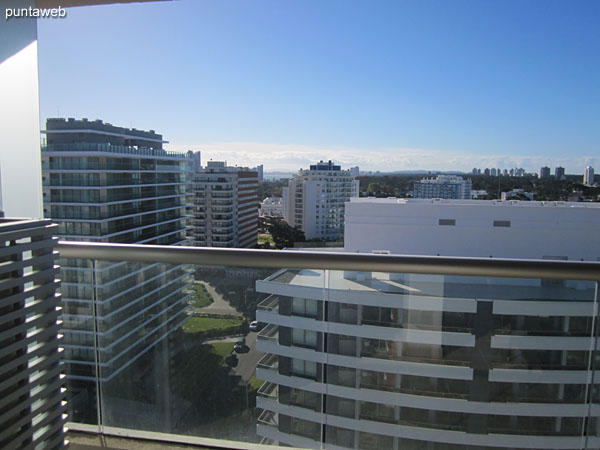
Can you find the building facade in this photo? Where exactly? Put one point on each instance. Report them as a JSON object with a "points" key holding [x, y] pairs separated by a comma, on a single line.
{"points": [[588, 176], [271, 207], [544, 172], [103, 183], [443, 186], [559, 172], [363, 360], [225, 206], [316, 198]]}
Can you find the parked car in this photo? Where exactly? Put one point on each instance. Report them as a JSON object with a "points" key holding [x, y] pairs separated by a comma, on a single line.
{"points": [[255, 325], [241, 348]]}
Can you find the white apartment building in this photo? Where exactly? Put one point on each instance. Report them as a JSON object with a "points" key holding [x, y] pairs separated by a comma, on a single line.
{"points": [[588, 176], [369, 360], [443, 186], [225, 206], [271, 207], [315, 200]]}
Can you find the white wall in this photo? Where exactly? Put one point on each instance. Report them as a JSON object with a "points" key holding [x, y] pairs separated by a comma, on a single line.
{"points": [[19, 116], [412, 228]]}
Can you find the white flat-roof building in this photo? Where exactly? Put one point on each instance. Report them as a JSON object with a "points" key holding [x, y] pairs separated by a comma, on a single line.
{"points": [[477, 228]]}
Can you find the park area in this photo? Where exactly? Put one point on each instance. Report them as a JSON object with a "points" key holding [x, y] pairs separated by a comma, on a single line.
{"points": [[215, 326], [200, 296]]}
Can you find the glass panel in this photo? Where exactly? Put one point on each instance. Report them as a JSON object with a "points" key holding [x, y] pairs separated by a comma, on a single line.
{"points": [[411, 349], [223, 352], [192, 350]]}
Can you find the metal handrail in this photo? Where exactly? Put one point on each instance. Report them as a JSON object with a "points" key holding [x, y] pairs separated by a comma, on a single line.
{"points": [[363, 262]]}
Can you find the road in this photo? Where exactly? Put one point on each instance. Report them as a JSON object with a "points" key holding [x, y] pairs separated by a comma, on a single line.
{"points": [[248, 361]]}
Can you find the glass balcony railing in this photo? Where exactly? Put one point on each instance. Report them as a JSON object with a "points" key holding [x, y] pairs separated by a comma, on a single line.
{"points": [[327, 350]]}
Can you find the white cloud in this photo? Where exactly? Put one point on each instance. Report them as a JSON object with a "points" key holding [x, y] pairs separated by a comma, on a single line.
{"points": [[289, 157]]}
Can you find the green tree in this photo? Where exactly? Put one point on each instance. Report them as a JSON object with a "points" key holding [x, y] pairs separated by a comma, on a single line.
{"points": [[283, 234]]}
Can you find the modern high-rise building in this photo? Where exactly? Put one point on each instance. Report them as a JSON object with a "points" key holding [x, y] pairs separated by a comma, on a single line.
{"points": [[444, 186], [544, 172], [225, 206], [103, 183], [588, 176], [316, 197], [371, 360], [559, 172]]}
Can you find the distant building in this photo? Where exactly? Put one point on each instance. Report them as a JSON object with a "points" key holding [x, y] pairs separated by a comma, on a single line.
{"points": [[225, 206], [196, 161], [354, 171], [486, 172], [559, 172], [271, 207], [493, 171], [588, 176], [474, 171], [444, 186], [260, 171], [315, 200], [479, 194], [516, 194], [544, 172]]}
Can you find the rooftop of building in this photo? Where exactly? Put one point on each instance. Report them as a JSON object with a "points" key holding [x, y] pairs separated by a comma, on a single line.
{"points": [[60, 125], [475, 203]]}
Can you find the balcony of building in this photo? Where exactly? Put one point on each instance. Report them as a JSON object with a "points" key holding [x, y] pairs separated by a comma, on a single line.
{"points": [[394, 346]]}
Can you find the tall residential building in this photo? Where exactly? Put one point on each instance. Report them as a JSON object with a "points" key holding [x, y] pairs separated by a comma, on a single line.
{"points": [[444, 186], [588, 176], [544, 172], [316, 197], [225, 206], [371, 360], [103, 183], [559, 172]]}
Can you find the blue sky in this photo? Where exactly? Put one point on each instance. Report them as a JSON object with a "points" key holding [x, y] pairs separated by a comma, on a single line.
{"points": [[398, 85]]}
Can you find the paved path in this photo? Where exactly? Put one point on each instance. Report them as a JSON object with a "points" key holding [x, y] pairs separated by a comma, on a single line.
{"points": [[248, 361], [219, 304]]}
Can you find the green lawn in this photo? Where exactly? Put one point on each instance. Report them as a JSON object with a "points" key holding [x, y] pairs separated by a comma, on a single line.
{"points": [[262, 238], [200, 324], [222, 349], [200, 297]]}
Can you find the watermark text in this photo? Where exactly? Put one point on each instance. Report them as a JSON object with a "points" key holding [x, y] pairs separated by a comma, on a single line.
{"points": [[31, 12]]}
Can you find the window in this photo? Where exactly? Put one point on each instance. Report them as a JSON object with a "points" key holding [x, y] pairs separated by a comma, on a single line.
{"points": [[307, 369], [304, 307], [447, 222], [304, 338]]}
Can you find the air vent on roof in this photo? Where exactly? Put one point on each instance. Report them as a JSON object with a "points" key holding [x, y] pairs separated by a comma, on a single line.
{"points": [[447, 222], [502, 223]]}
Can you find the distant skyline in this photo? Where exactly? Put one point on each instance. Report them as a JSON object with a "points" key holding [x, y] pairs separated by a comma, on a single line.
{"points": [[410, 85]]}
